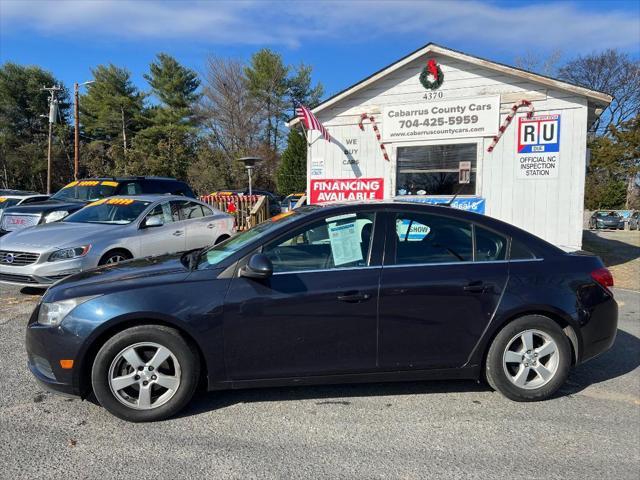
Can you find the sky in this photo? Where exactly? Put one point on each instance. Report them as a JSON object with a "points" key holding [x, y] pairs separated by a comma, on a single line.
{"points": [[344, 41]]}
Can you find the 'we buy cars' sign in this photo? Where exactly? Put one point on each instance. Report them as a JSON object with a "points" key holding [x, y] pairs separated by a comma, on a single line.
{"points": [[348, 189]]}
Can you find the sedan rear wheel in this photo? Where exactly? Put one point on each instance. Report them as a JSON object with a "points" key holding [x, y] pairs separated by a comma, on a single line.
{"points": [[529, 359], [145, 373]]}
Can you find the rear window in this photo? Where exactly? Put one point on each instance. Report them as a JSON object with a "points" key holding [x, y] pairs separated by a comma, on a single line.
{"points": [[519, 251]]}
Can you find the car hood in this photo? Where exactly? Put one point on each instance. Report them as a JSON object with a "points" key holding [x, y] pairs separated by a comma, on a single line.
{"points": [[46, 207], [609, 219], [137, 273], [44, 237]]}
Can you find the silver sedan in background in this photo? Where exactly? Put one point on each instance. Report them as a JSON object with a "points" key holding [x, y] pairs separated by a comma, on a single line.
{"points": [[110, 230]]}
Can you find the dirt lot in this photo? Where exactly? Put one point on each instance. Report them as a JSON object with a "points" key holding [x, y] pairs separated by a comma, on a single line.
{"points": [[620, 251]]}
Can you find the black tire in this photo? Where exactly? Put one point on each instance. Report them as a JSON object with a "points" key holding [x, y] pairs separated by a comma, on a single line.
{"points": [[221, 239], [115, 256], [498, 373], [169, 338]]}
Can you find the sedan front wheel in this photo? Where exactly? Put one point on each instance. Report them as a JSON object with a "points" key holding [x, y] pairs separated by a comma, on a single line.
{"points": [[145, 373]]}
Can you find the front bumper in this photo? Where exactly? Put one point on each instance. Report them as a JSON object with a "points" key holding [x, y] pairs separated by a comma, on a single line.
{"points": [[41, 274], [46, 346]]}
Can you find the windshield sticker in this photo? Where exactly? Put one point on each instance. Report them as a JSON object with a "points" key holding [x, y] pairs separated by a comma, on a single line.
{"points": [[72, 184], [88, 183], [2, 199], [345, 243], [109, 183], [112, 201], [280, 216]]}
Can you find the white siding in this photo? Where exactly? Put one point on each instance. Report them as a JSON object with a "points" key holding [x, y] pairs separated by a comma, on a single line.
{"points": [[550, 208]]}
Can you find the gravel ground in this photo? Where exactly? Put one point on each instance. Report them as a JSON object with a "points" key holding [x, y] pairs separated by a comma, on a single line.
{"points": [[404, 430]]}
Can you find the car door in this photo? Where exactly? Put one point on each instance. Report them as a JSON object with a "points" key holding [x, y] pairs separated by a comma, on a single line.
{"points": [[201, 227], [439, 289], [317, 313], [162, 239]]}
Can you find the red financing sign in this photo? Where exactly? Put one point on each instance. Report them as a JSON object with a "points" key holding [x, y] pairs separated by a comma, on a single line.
{"points": [[341, 190]]}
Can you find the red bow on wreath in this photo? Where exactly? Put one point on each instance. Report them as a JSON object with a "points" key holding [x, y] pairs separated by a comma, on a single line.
{"points": [[433, 69]]}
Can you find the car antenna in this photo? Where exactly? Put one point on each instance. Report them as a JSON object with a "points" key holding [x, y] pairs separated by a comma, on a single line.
{"points": [[455, 195]]}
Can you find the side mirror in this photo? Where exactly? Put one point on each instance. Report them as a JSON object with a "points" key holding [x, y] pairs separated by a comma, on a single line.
{"points": [[258, 267], [152, 222]]}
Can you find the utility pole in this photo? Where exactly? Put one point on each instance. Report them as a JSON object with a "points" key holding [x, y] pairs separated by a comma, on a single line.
{"points": [[76, 137], [53, 114]]}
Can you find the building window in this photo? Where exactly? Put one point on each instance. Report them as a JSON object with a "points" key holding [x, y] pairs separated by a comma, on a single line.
{"points": [[434, 169]]}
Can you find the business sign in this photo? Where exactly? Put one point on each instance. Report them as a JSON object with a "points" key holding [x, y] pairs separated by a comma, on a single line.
{"points": [[347, 189], [470, 204], [460, 118], [538, 146], [317, 168]]}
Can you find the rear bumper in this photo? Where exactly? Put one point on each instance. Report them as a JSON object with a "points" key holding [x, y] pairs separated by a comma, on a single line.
{"points": [[599, 333]]}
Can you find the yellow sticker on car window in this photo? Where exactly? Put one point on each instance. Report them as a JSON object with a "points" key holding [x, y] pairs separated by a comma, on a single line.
{"points": [[119, 201], [280, 216], [109, 183], [88, 183], [72, 184], [2, 199], [97, 202]]}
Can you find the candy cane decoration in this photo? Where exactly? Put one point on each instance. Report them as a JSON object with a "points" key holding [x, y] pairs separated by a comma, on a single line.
{"points": [[507, 121], [364, 117]]}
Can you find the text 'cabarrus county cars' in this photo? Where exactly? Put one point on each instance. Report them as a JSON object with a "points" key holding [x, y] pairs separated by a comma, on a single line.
{"points": [[107, 231], [342, 293], [79, 193]]}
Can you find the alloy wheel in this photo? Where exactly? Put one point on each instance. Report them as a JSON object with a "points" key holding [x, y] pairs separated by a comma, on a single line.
{"points": [[144, 376], [531, 359]]}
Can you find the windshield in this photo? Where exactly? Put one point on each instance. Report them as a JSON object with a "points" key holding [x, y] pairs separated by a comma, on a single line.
{"points": [[607, 214], [114, 211], [218, 253], [7, 202], [86, 190]]}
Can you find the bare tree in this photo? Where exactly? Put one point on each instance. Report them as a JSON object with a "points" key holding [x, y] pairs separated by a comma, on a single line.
{"points": [[612, 72], [534, 62], [227, 108]]}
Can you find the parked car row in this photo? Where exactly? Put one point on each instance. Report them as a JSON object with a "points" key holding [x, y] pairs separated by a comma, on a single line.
{"points": [[612, 220], [94, 222]]}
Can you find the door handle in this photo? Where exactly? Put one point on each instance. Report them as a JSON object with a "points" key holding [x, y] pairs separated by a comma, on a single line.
{"points": [[211, 225], [475, 287], [178, 233], [354, 297]]}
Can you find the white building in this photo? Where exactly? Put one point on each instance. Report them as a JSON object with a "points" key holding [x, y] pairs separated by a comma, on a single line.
{"points": [[436, 138]]}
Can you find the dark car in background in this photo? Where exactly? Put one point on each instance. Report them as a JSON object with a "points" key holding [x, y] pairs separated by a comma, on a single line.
{"points": [[327, 294], [77, 194], [606, 220]]}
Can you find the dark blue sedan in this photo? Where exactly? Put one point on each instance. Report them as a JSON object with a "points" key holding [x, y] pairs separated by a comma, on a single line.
{"points": [[340, 293]]}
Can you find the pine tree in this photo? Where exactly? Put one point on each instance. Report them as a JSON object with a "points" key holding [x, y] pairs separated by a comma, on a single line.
{"points": [[111, 113], [292, 172], [167, 145]]}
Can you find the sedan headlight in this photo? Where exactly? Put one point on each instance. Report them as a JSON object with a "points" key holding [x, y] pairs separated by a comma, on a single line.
{"points": [[55, 216], [69, 253], [53, 313]]}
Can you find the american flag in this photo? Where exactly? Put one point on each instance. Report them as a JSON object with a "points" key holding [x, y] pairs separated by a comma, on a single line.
{"points": [[311, 122]]}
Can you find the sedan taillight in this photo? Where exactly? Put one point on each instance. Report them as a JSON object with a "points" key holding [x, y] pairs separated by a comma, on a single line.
{"points": [[603, 277]]}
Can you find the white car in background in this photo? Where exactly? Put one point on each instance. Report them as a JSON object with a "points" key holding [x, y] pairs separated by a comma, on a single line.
{"points": [[108, 231], [12, 198]]}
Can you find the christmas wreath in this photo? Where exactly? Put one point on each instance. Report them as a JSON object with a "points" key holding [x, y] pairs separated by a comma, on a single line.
{"points": [[431, 69]]}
